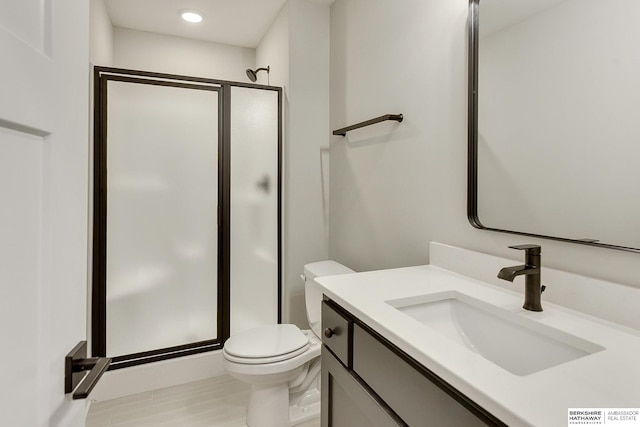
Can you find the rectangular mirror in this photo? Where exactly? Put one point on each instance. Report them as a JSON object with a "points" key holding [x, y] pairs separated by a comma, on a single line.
{"points": [[553, 120]]}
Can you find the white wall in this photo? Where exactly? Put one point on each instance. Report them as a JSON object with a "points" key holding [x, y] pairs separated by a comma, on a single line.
{"points": [[395, 187], [306, 240], [299, 41], [141, 50], [273, 50], [100, 54], [100, 34]]}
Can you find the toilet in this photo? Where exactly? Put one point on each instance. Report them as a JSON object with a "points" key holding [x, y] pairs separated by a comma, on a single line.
{"points": [[282, 362]]}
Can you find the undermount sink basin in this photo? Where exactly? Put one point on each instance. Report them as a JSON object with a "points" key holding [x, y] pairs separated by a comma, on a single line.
{"points": [[518, 344]]}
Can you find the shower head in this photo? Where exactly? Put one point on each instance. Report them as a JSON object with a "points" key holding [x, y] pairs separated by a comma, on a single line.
{"points": [[253, 74]]}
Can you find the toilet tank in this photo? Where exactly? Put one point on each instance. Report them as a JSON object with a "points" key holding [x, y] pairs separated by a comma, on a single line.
{"points": [[312, 291]]}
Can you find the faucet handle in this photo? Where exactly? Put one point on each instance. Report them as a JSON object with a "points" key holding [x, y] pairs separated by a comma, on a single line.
{"points": [[529, 249]]}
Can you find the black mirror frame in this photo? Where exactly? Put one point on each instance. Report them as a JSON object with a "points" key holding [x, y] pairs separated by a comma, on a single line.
{"points": [[472, 147]]}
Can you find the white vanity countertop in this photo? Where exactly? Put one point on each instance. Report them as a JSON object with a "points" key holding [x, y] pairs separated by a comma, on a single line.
{"points": [[607, 379]]}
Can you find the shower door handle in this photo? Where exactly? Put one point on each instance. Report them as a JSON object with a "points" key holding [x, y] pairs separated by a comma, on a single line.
{"points": [[264, 184], [76, 366]]}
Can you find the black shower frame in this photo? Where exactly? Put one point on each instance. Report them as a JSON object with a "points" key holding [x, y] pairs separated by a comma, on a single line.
{"points": [[102, 75]]}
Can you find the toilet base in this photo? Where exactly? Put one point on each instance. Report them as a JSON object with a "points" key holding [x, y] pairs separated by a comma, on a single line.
{"points": [[304, 407], [274, 406], [268, 406]]}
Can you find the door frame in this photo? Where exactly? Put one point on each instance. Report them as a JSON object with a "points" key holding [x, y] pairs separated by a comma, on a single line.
{"points": [[102, 75]]}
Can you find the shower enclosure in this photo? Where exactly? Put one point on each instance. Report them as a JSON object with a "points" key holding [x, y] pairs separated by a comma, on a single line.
{"points": [[186, 235]]}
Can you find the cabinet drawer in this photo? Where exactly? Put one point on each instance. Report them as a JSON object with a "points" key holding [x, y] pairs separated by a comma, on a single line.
{"points": [[347, 403], [408, 392], [335, 332]]}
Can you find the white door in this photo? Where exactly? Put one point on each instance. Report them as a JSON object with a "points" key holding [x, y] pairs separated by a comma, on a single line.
{"points": [[44, 116]]}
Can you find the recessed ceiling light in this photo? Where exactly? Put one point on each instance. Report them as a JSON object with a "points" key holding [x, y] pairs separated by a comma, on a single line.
{"points": [[191, 16]]}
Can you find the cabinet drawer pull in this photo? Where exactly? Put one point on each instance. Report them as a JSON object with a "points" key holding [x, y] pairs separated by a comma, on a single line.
{"points": [[329, 333]]}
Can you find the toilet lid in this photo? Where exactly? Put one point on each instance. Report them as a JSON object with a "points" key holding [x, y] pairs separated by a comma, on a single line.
{"points": [[266, 342]]}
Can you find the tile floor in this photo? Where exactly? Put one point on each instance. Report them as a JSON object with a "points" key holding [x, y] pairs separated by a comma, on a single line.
{"points": [[215, 402]]}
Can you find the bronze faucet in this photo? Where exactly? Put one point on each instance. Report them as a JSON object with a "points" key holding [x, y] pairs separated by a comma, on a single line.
{"points": [[532, 272]]}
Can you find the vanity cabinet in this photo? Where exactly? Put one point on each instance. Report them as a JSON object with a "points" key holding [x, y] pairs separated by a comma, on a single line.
{"points": [[368, 381], [350, 402]]}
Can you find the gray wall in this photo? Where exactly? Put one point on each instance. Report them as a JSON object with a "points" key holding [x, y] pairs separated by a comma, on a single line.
{"points": [[141, 50], [297, 49], [395, 187]]}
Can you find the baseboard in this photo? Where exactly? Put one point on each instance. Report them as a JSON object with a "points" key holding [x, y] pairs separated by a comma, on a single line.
{"points": [[152, 376]]}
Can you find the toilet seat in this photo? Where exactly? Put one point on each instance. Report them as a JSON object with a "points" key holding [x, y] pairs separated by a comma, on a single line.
{"points": [[265, 360], [266, 344]]}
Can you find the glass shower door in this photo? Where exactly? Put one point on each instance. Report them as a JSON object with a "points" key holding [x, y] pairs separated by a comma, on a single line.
{"points": [[162, 216], [187, 213], [255, 201]]}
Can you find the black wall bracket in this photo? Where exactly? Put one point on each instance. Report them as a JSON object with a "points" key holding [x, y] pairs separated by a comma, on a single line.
{"points": [[76, 366]]}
